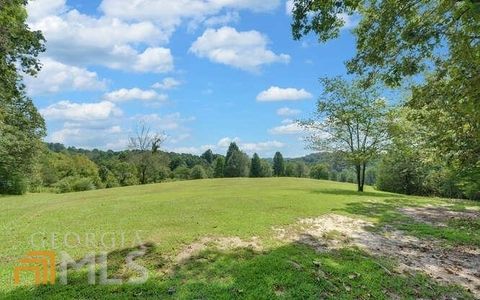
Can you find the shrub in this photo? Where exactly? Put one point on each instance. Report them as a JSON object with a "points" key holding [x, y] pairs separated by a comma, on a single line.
{"points": [[401, 172], [198, 173], [182, 172], [164, 173], [301, 170], [15, 184], [74, 184], [111, 181], [290, 169], [266, 169], [333, 176], [443, 183], [319, 171]]}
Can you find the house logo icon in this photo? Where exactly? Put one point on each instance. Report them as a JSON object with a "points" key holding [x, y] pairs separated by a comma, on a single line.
{"points": [[41, 263]]}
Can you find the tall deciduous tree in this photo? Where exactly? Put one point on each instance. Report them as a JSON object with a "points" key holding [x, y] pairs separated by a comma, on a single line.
{"points": [[278, 165], [21, 126], [350, 120]]}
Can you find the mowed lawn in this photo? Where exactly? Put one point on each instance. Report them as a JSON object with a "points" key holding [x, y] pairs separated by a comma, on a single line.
{"points": [[170, 216]]}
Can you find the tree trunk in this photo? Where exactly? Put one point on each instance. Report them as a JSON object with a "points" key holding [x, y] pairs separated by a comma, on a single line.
{"points": [[358, 168], [363, 176]]}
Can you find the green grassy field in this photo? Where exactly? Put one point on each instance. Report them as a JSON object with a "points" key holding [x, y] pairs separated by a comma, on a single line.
{"points": [[172, 215]]}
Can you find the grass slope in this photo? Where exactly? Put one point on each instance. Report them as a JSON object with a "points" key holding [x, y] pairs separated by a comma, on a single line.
{"points": [[172, 215]]}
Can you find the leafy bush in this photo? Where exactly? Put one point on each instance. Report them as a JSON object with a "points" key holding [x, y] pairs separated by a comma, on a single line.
{"points": [[111, 181], [198, 173], [74, 184], [266, 169], [164, 173], [15, 184], [342, 177], [401, 172], [182, 172], [333, 176], [443, 183], [319, 171]]}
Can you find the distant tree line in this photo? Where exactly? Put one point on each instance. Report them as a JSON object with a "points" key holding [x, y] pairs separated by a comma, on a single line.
{"points": [[62, 170]]}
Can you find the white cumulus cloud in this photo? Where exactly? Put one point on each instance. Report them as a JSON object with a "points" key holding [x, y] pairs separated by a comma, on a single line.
{"points": [[78, 39], [56, 76], [292, 128], [167, 84], [276, 93], [245, 50], [288, 112], [124, 95], [170, 14], [70, 111], [249, 147], [229, 17]]}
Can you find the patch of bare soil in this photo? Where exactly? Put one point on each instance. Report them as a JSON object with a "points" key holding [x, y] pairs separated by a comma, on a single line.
{"points": [[459, 265], [438, 216], [221, 243]]}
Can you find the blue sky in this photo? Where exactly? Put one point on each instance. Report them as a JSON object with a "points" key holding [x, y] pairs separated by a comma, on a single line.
{"points": [[204, 72]]}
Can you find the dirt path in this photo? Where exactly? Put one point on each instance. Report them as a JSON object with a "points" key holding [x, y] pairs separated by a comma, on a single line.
{"points": [[458, 265], [453, 265]]}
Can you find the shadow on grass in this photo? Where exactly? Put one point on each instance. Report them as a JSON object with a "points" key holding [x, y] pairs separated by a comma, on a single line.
{"points": [[456, 232], [384, 211], [292, 271], [342, 192]]}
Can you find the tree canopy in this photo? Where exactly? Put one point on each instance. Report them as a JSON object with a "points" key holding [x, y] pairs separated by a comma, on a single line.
{"points": [[433, 46], [21, 126]]}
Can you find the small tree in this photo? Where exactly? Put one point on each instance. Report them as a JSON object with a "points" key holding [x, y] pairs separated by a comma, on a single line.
{"points": [[237, 164], [231, 149], [182, 173], [146, 146], [301, 169], [278, 165], [351, 120], [319, 171], [218, 167], [290, 169], [266, 169], [198, 173]]}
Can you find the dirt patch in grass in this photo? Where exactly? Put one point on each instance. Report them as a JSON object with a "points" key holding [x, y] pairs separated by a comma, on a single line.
{"points": [[439, 216], [457, 265], [220, 243]]}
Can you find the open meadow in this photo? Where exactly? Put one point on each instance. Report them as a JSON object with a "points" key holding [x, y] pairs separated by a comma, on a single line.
{"points": [[248, 239]]}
